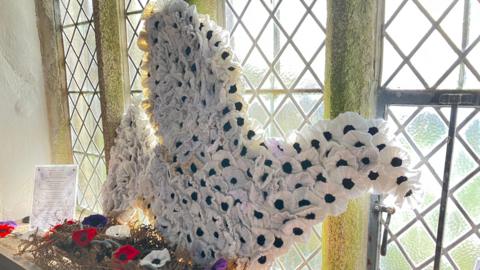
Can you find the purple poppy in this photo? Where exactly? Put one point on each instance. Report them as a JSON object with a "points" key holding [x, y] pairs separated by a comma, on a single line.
{"points": [[221, 264], [9, 222], [95, 221]]}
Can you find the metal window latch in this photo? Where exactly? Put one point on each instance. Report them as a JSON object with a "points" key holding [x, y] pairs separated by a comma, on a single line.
{"points": [[390, 211]]}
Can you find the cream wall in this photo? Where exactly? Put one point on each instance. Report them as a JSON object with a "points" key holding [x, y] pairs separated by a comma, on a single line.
{"points": [[23, 115]]}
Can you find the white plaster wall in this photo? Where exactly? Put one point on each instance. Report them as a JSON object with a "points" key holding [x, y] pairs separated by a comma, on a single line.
{"points": [[23, 116]]}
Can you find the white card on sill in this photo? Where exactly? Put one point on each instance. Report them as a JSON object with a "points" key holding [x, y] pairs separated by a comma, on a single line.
{"points": [[54, 195]]}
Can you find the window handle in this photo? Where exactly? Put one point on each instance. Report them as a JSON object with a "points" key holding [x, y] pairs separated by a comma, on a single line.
{"points": [[390, 211]]}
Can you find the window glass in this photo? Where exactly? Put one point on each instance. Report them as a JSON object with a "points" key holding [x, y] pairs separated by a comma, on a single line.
{"points": [[133, 13], [423, 131], [431, 44], [281, 46], [84, 100]]}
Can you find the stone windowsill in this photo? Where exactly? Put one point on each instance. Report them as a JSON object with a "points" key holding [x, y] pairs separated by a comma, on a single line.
{"points": [[8, 259]]}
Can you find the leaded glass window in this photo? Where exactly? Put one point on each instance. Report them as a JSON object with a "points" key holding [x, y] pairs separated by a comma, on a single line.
{"points": [[429, 46], [133, 13], [84, 99], [281, 46]]}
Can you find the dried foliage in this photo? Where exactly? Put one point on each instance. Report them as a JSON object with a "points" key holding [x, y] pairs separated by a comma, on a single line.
{"points": [[56, 250]]}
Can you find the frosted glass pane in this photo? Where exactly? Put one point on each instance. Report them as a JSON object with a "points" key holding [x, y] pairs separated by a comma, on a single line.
{"points": [[418, 245], [394, 260], [466, 254], [467, 196], [455, 223], [463, 164], [423, 132], [471, 132], [427, 129]]}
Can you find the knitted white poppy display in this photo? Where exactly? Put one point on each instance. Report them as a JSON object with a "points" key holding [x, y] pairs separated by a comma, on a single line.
{"points": [[156, 259], [212, 183], [118, 231]]}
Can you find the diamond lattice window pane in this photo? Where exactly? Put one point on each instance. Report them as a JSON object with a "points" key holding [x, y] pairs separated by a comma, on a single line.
{"points": [[427, 150], [431, 45], [75, 11], [282, 53], [422, 59], [464, 196], [303, 256], [133, 13], [135, 5], [427, 129], [281, 46], [455, 224], [462, 240], [289, 66], [466, 253], [395, 259], [308, 248], [410, 230], [410, 240], [84, 100], [135, 55], [288, 117]]}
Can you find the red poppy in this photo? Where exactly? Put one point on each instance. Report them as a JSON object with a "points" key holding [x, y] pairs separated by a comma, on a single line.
{"points": [[126, 253], [57, 227], [83, 237], [5, 230]]}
